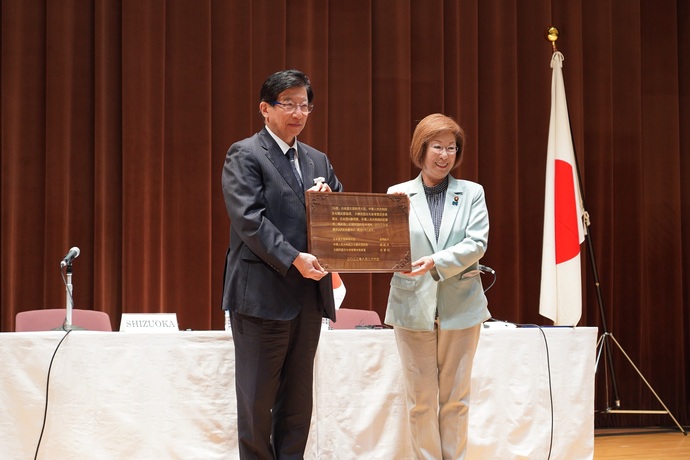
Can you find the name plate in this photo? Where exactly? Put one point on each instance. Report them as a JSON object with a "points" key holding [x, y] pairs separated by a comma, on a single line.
{"points": [[149, 322], [359, 232]]}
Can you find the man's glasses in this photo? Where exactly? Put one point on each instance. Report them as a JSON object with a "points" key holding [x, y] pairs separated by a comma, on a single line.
{"points": [[451, 149], [291, 107]]}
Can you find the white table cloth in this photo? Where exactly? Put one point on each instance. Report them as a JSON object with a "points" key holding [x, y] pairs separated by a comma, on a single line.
{"points": [[171, 396], [360, 405]]}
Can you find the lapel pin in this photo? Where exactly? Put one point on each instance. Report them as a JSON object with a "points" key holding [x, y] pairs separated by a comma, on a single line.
{"points": [[455, 200]]}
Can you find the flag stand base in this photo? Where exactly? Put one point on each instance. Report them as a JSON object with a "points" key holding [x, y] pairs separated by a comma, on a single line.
{"points": [[600, 346]]}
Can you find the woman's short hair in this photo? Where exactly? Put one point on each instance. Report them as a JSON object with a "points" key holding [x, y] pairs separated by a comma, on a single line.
{"points": [[430, 128]]}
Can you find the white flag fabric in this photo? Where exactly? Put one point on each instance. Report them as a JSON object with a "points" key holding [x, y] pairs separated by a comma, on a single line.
{"points": [[561, 279], [338, 290]]}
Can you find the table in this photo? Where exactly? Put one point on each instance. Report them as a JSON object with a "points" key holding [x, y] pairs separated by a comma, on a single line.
{"points": [[117, 395], [360, 408], [171, 395]]}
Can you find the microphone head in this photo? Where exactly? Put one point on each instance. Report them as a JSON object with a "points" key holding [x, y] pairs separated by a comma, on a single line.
{"points": [[70, 256], [486, 269]]}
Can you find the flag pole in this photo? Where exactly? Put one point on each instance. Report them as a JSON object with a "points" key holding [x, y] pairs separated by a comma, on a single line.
{"points": [[603, 343], [552, 34]]}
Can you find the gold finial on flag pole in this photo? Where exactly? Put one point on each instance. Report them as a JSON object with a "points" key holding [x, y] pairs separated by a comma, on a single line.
{"points": [[552, 36]]}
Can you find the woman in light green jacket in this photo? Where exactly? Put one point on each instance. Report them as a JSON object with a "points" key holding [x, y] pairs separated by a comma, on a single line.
{"points": [[437, 308]]}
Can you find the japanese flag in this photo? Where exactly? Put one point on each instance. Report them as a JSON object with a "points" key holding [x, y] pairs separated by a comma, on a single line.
{"points": [[561, 290]]}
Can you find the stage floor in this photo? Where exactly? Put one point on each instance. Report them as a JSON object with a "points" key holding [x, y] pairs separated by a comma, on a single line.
{"points": [[641, 444]]}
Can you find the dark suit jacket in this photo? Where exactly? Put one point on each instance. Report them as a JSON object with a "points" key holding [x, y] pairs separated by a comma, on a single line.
{"points": [[268, 228]]}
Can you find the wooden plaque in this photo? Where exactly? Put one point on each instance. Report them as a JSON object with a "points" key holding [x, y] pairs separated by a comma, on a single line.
{"points": [[359, 232]]}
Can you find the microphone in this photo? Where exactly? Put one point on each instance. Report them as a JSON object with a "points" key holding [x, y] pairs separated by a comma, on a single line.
{"points": [[70, 256], [486, 269]]}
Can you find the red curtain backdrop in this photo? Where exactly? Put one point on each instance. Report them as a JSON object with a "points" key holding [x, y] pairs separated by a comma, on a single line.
{"points": [[116, 117]]}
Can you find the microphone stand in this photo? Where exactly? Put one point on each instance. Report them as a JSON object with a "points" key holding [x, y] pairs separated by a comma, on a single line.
{"points": [[69, 302]]}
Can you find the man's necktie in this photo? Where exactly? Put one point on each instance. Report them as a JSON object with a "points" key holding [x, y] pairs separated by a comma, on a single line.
{"points": [[291, 157]]}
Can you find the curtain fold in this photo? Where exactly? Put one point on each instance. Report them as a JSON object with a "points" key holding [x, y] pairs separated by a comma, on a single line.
{"points": [[116, 116], [108, 161]]}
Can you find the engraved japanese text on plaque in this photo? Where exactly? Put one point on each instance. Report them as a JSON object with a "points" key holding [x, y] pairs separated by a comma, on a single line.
{"points": [[359, 232]]}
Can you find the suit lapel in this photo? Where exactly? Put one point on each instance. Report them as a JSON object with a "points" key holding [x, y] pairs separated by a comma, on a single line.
{"points": [[451, 208], [420, 209], [281, 163]]}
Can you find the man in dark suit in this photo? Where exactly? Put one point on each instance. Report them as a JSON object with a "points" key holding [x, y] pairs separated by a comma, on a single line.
{"points": [[276, 292]]}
